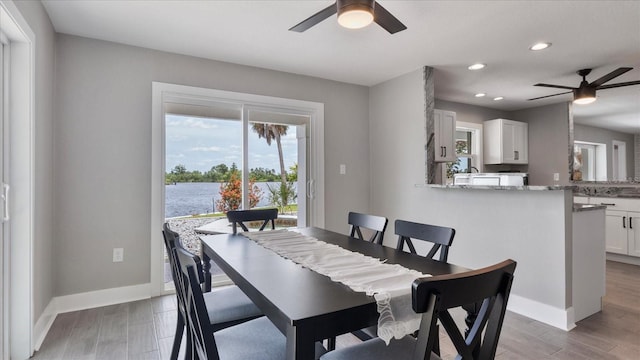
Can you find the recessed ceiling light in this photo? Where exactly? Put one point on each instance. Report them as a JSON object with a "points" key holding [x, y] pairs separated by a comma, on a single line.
{"points": [[539, 46], [480, 94], [477, 66], [498, 98]]}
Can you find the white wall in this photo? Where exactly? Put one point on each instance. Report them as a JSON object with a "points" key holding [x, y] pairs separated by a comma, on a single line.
{"points": [[527, 226], [43, 246], [103, 141]]}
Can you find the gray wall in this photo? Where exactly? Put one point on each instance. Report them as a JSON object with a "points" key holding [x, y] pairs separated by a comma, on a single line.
{"points": [[471, 113], [548, 142], [43, 245], [103, 150], [606, 136]]}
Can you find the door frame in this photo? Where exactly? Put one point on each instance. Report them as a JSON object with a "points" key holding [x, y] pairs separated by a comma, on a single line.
{"points": [[21, 164], [163, 91]]}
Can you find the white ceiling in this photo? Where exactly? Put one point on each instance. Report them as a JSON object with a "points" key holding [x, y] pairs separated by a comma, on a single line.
{"points": [[448, 35]]}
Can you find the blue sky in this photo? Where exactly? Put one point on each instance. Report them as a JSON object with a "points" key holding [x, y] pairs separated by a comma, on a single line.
{"points": [[200, 143]]}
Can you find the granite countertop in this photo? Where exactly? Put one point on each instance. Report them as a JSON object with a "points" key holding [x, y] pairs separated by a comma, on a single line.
{"points": [[588, 207], [608, 190], [494, 187]]}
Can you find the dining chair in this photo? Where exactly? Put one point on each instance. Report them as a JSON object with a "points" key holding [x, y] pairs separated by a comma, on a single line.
{"points": [[239, 217], [227, 305], [377, 224], [433, 297], [440, 236], [257, 339]]}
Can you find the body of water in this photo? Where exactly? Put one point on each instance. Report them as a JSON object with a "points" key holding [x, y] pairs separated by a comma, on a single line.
{"points": [[199, 198]]}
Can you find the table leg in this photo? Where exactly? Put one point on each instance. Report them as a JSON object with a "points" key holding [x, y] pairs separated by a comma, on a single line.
{"points": [[206, 268], [300, 344]]}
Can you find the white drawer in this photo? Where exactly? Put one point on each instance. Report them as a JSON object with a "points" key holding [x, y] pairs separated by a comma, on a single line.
{"points": [[617, 203]]}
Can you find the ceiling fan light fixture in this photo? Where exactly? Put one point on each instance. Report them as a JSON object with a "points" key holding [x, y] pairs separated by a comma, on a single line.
{"points": [[584, 95], [355, 14]]}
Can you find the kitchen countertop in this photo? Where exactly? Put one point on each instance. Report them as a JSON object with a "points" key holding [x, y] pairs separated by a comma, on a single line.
{"points": [[494, 187], [608, 190]]}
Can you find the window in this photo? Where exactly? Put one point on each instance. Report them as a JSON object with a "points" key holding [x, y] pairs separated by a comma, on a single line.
{"points": [[468, 142], [589, 161]]}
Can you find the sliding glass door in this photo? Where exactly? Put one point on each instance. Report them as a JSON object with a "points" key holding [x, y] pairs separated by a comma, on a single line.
{"points": [[224, 156]]}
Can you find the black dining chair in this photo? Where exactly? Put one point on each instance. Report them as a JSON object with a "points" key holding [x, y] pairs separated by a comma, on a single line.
{"points": [[227, 306], [433, 297], [376, 224], [440, 236], [257, 339], [240, 217]]}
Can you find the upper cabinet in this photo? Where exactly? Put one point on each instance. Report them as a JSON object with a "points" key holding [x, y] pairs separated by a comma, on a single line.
{"points": [[444, 135], [506, 142]]}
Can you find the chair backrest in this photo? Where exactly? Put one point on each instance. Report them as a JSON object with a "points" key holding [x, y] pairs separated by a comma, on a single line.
{"points": [[239, 217], [171, 241], [377, 224], [197, 317], [440, 236], [489, 288]]}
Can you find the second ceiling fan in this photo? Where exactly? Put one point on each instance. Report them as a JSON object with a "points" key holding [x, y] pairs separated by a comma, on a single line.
{"points": [[354, 14], [586, 92]]}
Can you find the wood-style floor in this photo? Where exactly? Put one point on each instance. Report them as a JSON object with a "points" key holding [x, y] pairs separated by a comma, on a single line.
{"points": [[144, 330]]}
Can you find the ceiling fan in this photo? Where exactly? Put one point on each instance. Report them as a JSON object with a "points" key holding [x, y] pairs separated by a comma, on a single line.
{"points": [[586, 92], [354, 14]]}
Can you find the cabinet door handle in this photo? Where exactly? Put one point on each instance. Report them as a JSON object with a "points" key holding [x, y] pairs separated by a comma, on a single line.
{"points": [[624, 222], [445, 151], [608, 204], [630, 222]]}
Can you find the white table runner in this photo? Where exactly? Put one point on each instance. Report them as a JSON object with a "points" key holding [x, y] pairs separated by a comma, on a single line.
{"points": [[390, 284]]}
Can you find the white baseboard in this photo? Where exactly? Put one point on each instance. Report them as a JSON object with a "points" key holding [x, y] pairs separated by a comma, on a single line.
{"points": [[87, 300], [560, 318], [633, 260]]}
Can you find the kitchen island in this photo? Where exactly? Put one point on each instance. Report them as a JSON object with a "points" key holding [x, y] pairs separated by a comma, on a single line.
{"points": [[559, 248]]}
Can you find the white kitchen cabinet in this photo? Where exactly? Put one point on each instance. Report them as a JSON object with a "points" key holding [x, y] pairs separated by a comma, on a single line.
{"points": [[622, 225], [444, 135], [506, 142]]}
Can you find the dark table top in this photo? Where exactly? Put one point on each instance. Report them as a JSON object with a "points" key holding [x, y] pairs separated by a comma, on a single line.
{"points": [[291, 295]]}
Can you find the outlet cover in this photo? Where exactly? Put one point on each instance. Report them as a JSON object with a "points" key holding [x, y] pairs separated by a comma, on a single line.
{"points": [[118, 254], [556, 176]]}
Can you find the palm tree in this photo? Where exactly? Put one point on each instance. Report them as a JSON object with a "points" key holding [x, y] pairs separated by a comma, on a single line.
{"points": [[272, 132]]}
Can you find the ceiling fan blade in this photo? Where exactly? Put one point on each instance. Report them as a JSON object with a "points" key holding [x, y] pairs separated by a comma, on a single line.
{"points": [[542, 97], [386, 20], [609, 76], [611, 86], [555, 86], [315, 18]]}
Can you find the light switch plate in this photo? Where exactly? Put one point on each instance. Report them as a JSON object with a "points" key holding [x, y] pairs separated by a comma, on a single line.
{"points": [[556, 176], [343, 169]]}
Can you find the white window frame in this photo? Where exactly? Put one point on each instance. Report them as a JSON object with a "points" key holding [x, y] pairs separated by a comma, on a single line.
{"points": [[162, 91], [476, 143]]}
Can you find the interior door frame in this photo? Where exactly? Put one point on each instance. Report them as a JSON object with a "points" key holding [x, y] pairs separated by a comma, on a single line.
{"points": [[161, 92], [21, 178]]}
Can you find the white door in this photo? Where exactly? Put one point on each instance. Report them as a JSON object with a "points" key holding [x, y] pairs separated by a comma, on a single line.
{"points": [[634, 233], [619, 160], [4, 265], [616, 232]]}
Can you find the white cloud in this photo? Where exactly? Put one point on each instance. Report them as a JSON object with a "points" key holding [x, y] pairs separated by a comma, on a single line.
{"points": [[190, 122], [206, 149]]}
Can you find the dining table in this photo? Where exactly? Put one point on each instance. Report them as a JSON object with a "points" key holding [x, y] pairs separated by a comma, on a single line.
{"points": [[304, 305]]}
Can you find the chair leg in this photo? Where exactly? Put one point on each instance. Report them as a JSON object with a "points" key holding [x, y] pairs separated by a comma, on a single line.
{"points": [[331, 343], [190, 354], [177, 338]]}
